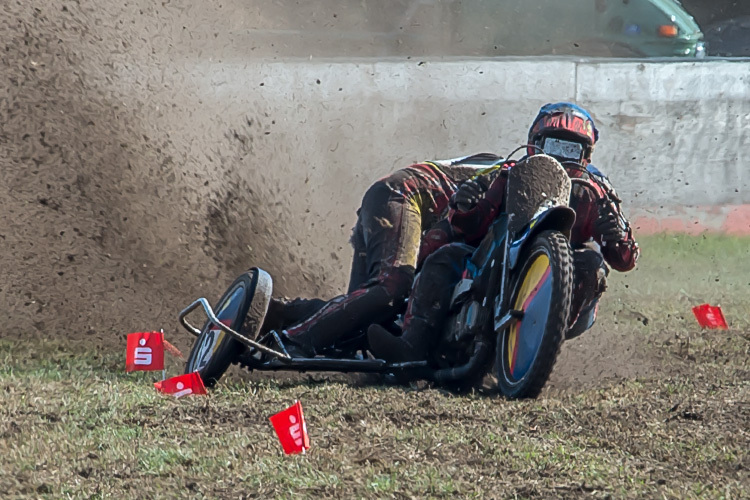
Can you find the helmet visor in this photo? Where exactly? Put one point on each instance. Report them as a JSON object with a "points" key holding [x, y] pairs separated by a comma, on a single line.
{"points": [[562, 149]]}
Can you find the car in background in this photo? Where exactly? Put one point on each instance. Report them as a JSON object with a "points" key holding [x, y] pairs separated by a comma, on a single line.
{"points": [[614, 28], [468, 28]]}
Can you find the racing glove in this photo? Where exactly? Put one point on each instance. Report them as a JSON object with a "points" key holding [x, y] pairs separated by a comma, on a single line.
{"points": [[468, 195], [609, 224]]}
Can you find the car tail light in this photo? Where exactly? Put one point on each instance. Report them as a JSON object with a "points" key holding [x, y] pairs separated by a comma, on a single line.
{"points": [[668, 30]]}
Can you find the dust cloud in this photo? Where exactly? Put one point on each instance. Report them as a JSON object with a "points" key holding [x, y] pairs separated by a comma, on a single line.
{"points": [[125, 194]]}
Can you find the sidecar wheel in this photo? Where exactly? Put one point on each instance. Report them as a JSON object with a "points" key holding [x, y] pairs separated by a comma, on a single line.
{"points": [[527, 350], [243, 308]]}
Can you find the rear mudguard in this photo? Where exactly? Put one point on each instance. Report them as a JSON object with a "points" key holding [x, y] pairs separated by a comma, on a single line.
{"points": [[559, 218]]}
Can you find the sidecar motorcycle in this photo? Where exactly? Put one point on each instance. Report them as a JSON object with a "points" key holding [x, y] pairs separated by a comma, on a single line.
{"points": [[508, 316]]}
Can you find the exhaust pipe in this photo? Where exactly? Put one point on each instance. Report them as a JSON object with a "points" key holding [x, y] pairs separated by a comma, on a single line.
{"points": [[476, 362]]}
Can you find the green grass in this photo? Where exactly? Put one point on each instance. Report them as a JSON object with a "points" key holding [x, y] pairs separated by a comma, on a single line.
{"points": [[676, 272], [92, 435], [74, 425]]}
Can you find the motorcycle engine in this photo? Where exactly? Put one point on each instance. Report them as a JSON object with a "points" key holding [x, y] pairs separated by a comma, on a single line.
{"points": [[465, 321]]}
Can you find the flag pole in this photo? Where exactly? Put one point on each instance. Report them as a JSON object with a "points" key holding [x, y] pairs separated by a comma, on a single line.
{"points": [[302, 427], [164, 370]]}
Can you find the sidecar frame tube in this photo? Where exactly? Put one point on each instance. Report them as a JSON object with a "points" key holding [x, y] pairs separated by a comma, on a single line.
{"points": [[215, 321], [500, 301], [338, 365]]}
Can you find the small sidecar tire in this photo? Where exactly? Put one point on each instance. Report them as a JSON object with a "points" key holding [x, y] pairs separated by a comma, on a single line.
{"points": [[244, 305]]}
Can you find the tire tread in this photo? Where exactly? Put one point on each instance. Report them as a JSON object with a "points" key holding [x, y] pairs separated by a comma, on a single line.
{"points": [[541, 368]]}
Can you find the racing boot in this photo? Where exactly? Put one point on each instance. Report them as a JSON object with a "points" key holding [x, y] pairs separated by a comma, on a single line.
{"points": [[589, 284], [274, 319], [412, 345], [585, 320]]}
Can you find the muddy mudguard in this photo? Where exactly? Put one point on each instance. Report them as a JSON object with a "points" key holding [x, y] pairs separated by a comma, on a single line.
{"points": [[559, 218]]}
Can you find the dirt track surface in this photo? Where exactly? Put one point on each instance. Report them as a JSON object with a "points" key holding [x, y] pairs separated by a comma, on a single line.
{"points": [[73, 425]]}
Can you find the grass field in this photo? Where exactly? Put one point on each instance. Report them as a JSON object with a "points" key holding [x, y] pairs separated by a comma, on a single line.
{"points": [[74, 425]]}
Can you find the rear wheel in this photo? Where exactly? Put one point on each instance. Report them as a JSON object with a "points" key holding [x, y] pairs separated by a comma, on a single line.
{"points": [[542, 289], [242, 308]]}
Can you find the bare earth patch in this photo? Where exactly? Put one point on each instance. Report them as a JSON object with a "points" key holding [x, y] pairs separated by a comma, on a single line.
{"points": [[645, 405]]}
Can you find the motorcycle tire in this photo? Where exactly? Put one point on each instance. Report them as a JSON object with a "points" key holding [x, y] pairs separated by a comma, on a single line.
{"points": [[527, 351], [243, 308]]}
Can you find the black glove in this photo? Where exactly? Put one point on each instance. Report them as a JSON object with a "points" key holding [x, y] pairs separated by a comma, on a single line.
{"points": [[468, 195], [609, 223]]}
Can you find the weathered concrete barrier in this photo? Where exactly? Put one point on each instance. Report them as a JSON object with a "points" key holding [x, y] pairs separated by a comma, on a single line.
{"points": [[673, 135]]}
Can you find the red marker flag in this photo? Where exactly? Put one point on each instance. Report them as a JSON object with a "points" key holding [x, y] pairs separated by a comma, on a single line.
{"points": [[291, 428], [182, 385], [145, 351], [710, 317]]}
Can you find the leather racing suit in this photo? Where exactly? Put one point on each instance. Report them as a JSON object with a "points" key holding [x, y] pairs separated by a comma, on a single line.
{"points": [[395, 212]]}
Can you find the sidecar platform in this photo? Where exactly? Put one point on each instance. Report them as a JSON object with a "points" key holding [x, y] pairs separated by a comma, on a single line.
{"points": [[280, 360]]}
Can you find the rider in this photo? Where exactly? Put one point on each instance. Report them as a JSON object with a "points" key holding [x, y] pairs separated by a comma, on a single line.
{"points": [[388, 248], [600, 237]]}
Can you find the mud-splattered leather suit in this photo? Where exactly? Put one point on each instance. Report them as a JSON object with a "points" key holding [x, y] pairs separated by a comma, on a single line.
{"points": [[395, 212], [428, 304], [591, 254]]}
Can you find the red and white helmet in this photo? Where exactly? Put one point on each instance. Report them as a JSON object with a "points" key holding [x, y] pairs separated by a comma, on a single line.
{"points": [[563, 130]]}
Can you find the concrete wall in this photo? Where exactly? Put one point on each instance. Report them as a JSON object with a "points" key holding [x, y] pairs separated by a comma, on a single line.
{"points": [[672, 135]]}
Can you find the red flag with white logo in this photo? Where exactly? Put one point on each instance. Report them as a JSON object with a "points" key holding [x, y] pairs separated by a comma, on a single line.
{"points": [[710, 317], [182, 385], [291, 429], [145, 351]]}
